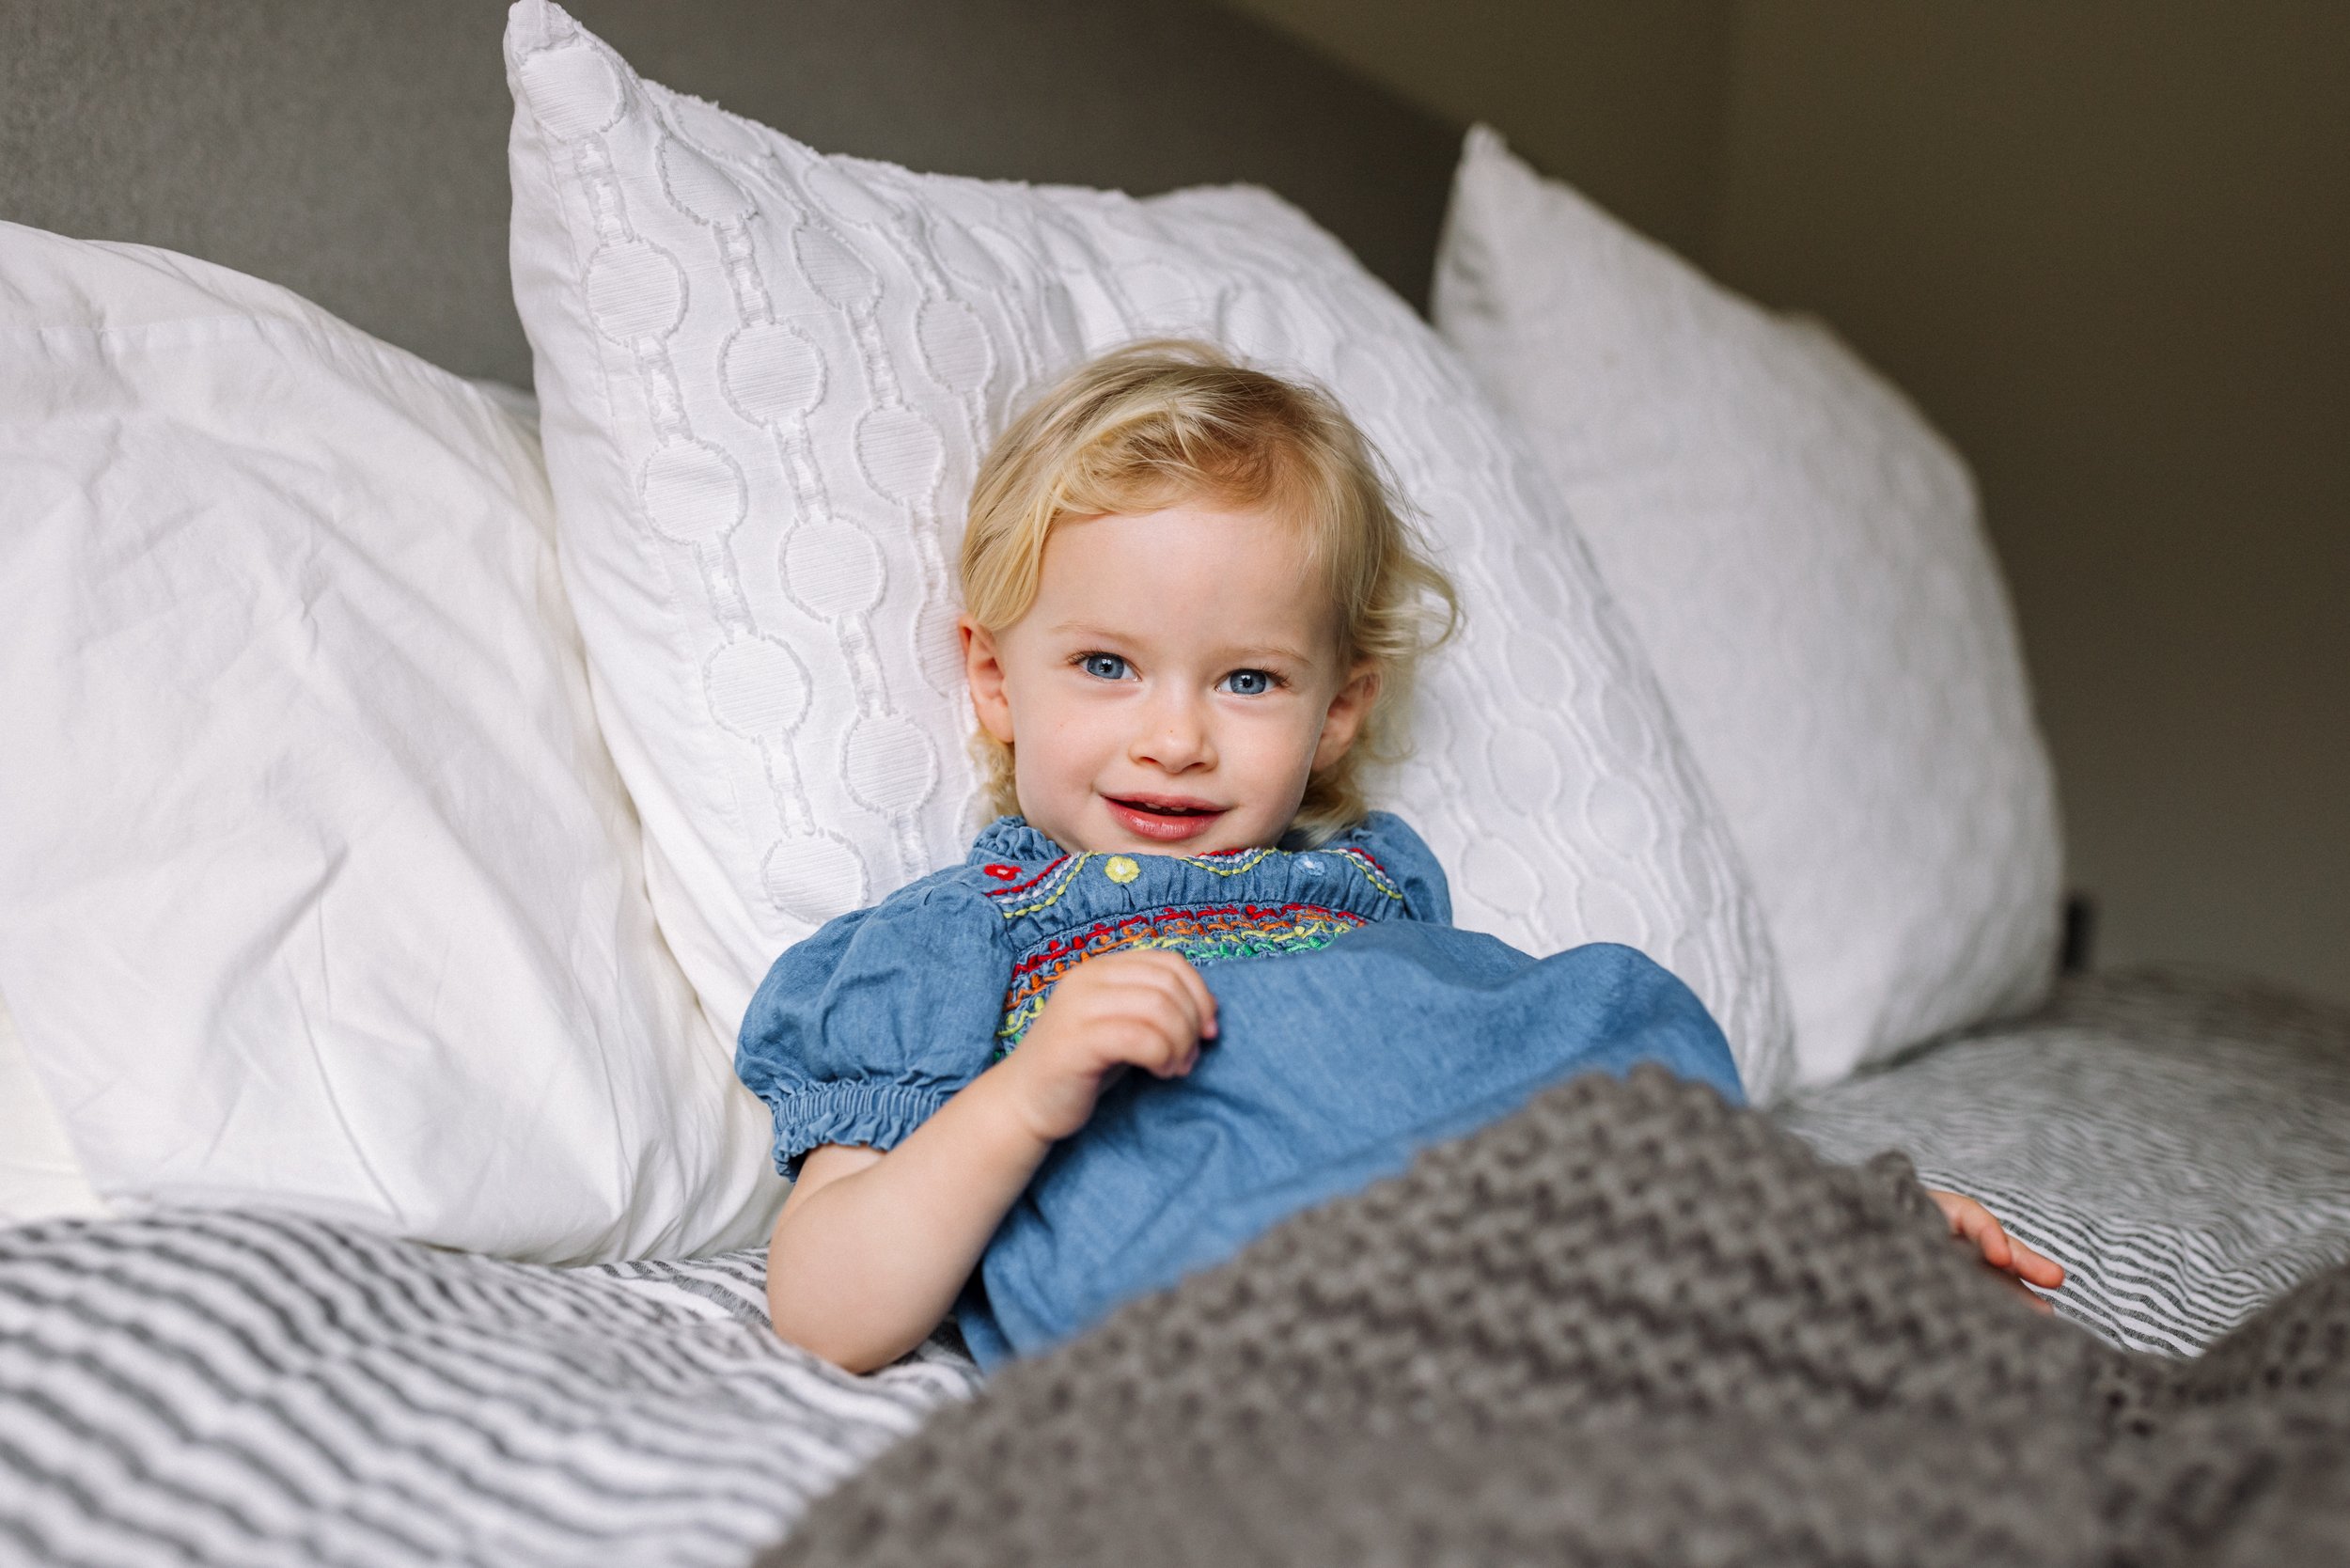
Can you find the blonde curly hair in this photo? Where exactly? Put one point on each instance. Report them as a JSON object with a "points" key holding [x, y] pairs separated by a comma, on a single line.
{"points": [[1161, 423]]}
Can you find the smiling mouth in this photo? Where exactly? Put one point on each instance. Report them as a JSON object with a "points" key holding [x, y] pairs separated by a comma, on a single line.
{"points": [[1162, 818]]}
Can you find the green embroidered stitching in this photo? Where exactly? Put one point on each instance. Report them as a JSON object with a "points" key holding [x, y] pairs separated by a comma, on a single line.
{"points": [[1207, 864], [1372, 873], [1202, 936], [1068, 880]]}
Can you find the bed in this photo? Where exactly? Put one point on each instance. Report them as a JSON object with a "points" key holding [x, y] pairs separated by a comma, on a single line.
{"points": [[245, 1384]]}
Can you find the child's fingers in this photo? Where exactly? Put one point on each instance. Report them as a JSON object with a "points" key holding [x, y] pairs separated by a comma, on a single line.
{"points": [[1164, 1023], [1203, 1000], [1152, 1027], [1174, 974], [1991, 1240], [2038, 1303], [2016, 1262], [1976, 1223], [2038, 1267], [1179, 971], [1160, 1054]]}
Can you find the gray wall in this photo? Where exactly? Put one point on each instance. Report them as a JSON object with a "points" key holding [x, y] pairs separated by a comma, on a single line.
{"points": [[354, 150], [2107, 244], [1626, 98], [1142, 95]]}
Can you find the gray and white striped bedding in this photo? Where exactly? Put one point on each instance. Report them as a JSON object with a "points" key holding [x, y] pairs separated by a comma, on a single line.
{"points": [[2180, 1144], [249, 1389], [255, 1390]]}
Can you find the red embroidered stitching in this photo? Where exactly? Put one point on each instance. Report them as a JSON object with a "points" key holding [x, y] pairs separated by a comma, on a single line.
{"points": [[1195, 933], [1006, 892]]}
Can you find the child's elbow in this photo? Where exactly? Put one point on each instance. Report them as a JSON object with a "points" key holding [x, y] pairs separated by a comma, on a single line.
{"points": [[829, 1342], [848, 1355]]}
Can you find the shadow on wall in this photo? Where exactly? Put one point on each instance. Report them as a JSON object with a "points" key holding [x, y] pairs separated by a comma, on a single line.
{"points": [[357, 153], [2104, 245]]}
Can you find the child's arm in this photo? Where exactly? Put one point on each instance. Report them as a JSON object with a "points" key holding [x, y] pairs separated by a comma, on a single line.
{"points": [[872, 1249]]}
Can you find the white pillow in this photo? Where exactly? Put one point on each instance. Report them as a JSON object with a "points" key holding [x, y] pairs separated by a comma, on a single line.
{"points": [[1801, 555], [767, 376], [317, 887], [39, 1176]]}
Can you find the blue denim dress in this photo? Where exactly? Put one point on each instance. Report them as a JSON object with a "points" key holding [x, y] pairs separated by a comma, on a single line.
{"points": [[1356, 1027]]}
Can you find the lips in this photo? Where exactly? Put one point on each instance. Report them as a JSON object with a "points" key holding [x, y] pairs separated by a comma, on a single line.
{"points": [[1168, 819]]}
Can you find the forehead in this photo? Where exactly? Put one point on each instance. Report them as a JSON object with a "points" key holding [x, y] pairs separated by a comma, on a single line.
{"points": [[1193, 572]]}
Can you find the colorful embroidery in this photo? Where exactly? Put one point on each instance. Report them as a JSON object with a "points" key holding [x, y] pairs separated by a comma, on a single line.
{"points": [[1373, 873], [1062, 873], [1067, 868], [1049, 869], [1204, 935], [1215, 862]]}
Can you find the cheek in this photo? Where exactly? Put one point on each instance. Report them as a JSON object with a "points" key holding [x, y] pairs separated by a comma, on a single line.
{"points": [[1061, 739], [1277, 745]]}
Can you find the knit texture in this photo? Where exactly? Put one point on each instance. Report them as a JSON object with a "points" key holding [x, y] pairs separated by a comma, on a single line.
{"points": [[1628, 1326]]}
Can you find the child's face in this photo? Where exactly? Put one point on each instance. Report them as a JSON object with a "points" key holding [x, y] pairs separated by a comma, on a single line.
{"points": [[1173, 686]]}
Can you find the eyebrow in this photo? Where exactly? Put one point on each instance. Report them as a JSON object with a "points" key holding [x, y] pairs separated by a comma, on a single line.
{"points": [[1258, 650]]}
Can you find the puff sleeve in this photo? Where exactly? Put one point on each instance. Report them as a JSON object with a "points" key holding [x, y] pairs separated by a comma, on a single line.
{"points": [[864, 1029], [1405, 857]]}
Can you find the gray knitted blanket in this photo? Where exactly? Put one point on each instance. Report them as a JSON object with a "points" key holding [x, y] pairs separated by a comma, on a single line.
{"points": [[1629, 1326]]}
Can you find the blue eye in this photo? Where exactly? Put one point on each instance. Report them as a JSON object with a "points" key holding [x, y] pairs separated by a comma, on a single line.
{"points": [[1248, 683], [1103, 667]]}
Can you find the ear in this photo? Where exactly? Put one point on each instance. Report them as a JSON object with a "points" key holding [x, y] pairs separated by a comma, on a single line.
{"points": [[1348, 710], [983, 671]]}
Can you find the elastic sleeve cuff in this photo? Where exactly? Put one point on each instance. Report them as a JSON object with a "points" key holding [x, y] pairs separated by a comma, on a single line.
{"points": [[879, 1115]]}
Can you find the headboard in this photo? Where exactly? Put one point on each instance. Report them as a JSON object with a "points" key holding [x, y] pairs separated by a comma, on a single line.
{"points": [[354, 150]]}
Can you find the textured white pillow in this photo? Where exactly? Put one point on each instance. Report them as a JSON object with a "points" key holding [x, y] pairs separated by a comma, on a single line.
{"points": [[317, 887], [767, 376], [1801, 555], [39, 1176]]}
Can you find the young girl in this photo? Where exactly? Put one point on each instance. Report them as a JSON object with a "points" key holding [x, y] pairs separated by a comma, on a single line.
{"points": [[1193, 613]]}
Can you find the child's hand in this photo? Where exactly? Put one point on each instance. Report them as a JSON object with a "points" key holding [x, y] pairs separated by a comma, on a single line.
{"points": [[1148, 1009], [2000, 1251]]}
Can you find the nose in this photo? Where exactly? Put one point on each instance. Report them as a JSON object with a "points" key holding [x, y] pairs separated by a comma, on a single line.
{"points": [[1176, 734]]}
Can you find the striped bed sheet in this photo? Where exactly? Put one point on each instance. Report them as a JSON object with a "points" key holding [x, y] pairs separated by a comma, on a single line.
{"points": [[2180, 1143], [256, 1389], [252, 1388]]}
